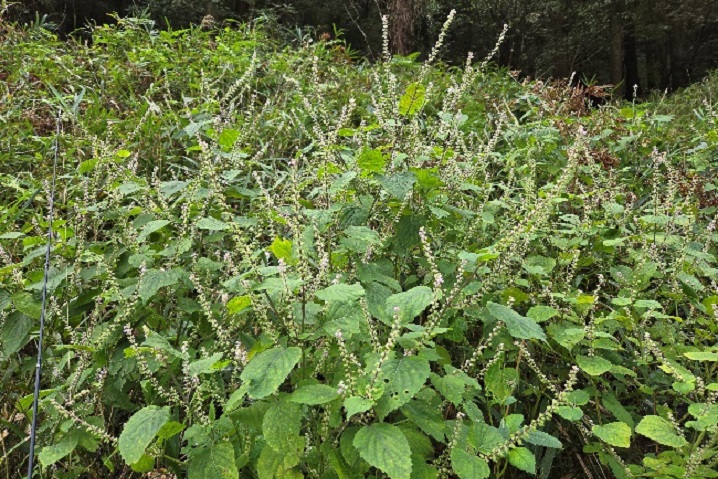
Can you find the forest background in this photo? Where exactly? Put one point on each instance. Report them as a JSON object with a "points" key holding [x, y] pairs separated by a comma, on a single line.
{"points": [[646, 45]]}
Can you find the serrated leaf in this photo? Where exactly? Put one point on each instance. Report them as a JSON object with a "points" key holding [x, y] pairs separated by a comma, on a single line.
{"points": [[212, 224], [26, 304], [15, 333], [314, 394], [406, 376], [49, 455], [205, 365], [661, 431], [410, 303], [156, 279], [227, 139], [282, 249], [140, 430], [541, 438], [356, 405], [238, 304], [384, 446], [370, 162], [469, 466], [541, 313], [570, 413], [594, 365], [522, 458], [614, 433], [281, 424], [216, 462], [150, 228], [341, 292], [517, 325], [398, 184], [412, 100], [267, 370]]}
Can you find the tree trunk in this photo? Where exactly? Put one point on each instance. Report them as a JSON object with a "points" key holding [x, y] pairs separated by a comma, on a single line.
{"points": [[402, 18], [631, 62], [617, 49]]}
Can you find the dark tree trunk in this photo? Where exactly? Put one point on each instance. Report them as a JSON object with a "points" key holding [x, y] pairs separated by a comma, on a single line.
{"points": [[617, 44], [632, 80]]}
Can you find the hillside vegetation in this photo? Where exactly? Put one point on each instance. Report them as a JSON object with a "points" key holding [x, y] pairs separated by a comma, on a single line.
{"points": [[274, 260]]}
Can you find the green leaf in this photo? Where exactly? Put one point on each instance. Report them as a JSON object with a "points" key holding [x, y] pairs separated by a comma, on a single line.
{"points": [[282, 249], [356, 405], [314, 394], [267, 370], [701, 356], [398, 184], [155, 279], [518, 326], [212, 224], [384, 446], [26, 304], [15, 333], [469, 466], [170, 429], [410, 303], [215, 462], [49, 455], [541, 313], [281, 424], [540, 438], [406, 377], [594, 365], [150, 228], [140, 431], [204, 366], [238, 304], [614, 433], [227, 139], [661, 431], [522, 458], [413, 99], [341, 292], [370, 162]]}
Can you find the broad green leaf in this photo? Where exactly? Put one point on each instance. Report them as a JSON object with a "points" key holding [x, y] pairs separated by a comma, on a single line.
{"points": [[170, 429], [661, 431], [410, 303], [215, 462], [212, 224], [701, 356], [337, 461], [49, 455], [541, 438], [614, 433], [568, 337], [370, 162], [204, 366], [541, 313], [267, 370], [406, 376], [238, 304], [356, 405], [469, 466], [15, 333], [359, 238], [570, 413], [522, 458], [155, 279], [227, 139], [314, 394], [150, 228], [399, 185], [384, 446], [140, 431], [518, 326], [594, 365], [282, 249], [281, 424], [341, 292], [26, 304], [413, 99]]}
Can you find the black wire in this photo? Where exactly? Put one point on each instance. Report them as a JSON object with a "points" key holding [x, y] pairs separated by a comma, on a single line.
{"points": [[38, 365]]}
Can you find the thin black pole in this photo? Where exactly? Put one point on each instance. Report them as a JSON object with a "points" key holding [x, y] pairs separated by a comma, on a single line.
{"points": [[38, 365]]}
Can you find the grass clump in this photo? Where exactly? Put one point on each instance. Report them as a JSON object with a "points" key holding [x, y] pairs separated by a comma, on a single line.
{"points": [[274, 262]]}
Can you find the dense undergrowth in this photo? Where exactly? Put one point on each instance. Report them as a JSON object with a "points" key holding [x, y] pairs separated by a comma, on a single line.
{"points": [[273, 261]]}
